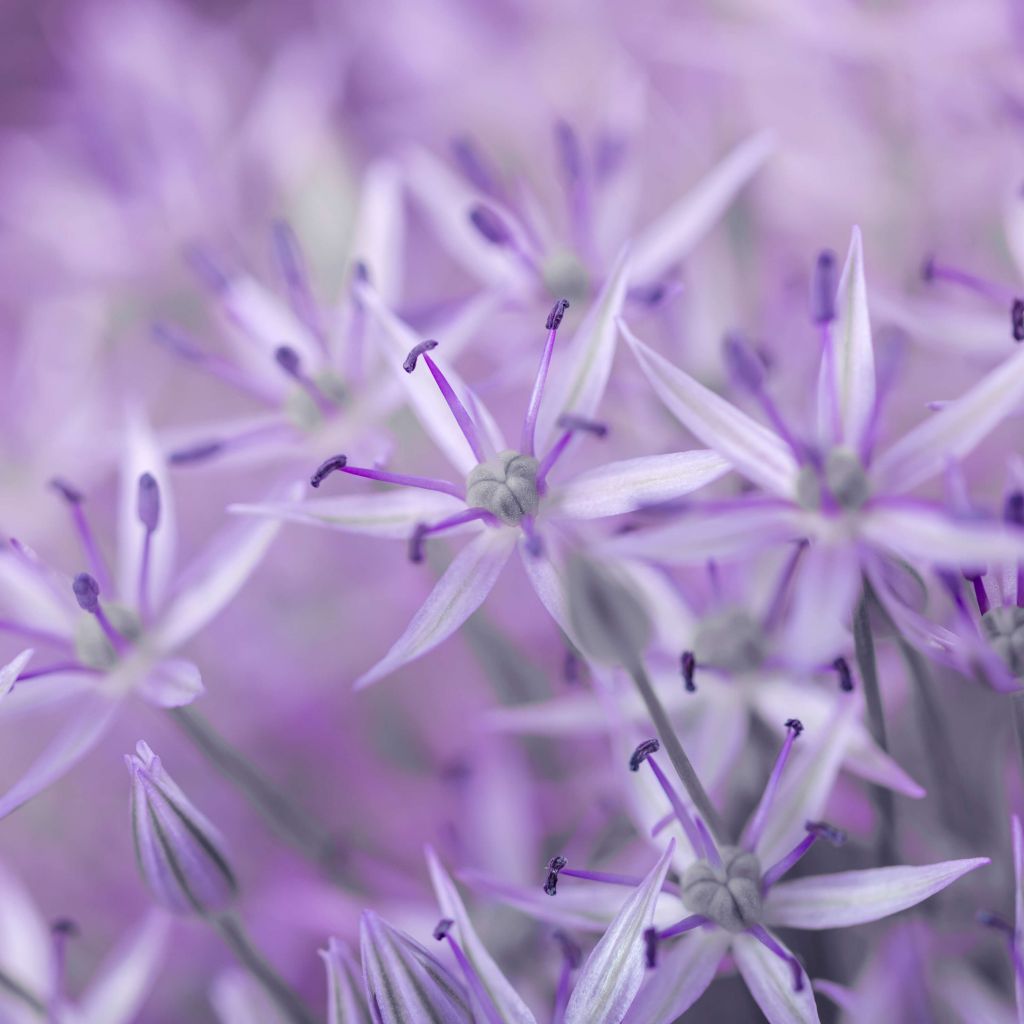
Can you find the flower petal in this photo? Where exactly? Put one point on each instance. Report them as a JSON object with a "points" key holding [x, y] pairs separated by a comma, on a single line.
{"points": [[504, 997], [754, 451], [172, 683], [10, 672], [685, 969], [238, 998], [456, 595], [119, 990], [925, 534], [770, 981], [614, 971], [26, 946], [678, 229], [626, 486], [852, 385], [953, 431], [346, 1003], [854, 897], [580, 374], [393, 513], [378, 234], [406, 983]]}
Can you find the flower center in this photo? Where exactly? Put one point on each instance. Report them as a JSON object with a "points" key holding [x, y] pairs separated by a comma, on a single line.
{"points": [[732, 640], [729, 895], [1004, 627], [565, 274], [505, 486], [842, 476], [92, 645]]}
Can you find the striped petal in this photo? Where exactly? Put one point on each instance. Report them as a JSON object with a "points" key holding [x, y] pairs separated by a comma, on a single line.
{"points": [[770, 981], [346, 1003]]}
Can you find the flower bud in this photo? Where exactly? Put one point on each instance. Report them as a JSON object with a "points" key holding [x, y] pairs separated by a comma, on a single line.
{"points": [[177, 848]]}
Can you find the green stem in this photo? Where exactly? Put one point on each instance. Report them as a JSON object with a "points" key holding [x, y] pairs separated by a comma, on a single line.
{"points": [[286, 999], [287, 820], [677, 755], [864, 648]]}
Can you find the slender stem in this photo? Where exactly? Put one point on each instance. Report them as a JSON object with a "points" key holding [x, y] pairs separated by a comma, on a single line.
{"points": [[287, 1000], [287, 820], [864, 648], [677, 755]]}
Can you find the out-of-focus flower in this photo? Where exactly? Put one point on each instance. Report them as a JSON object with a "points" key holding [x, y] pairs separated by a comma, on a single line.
{"points": [[506, 494], [114, 635], [833, 489], [177, 848]]}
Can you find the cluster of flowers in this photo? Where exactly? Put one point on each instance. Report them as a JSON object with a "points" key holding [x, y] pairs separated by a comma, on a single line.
{"points": [[710, 603]]}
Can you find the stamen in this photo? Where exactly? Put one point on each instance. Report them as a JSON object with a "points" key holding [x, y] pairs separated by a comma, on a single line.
{"points": [[422, 530], [782, 589], [652, 937], [534, 543], [54, 669], [490, 224], [196, 453], [174, 340], [688, 664], [815, 830], [293, 271], [203, 450], [570, 154], [572, 957], [60, 931], [702, 843], [552, 324], [474, 168], [842, 669], [462, 417], [555, 866], [87, 593], [933, 271], [483, 998], [339, 464], [765, 938], [823, 289], [757, 823], [571, 424], [980, 593], [288, 359], [1017, 319], [75, 500], [207, 269], [148, 507]]}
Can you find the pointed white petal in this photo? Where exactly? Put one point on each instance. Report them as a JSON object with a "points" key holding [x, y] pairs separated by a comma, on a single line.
{"points": [[172, 683], [393, 513], [579, 374], [686, 967], [955, 430], [614, 971], [924, 534], [10, 672], [505, 999], [853, 364], [142, 454], [770, 981], [547, 574], [828, 583], [854, 897], [405, 981], [626, 486], [26, 946], [754, 451], [346, 1002], [119, 990], [377, 238], [671, 237], [213, 580], [456, 595], [88, 722], [721, 533]]}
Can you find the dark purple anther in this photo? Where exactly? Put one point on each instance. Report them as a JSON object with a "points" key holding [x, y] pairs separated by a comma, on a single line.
{"points": [[823, 289], [490, 224], [554, 320], [1013, 508], [643, 752], [842, 669], [823, 830], [796, 725], [196, 453], [326, 468], [444, 926], [744, 363], [555, 865], [570, 421], [87, 592], [72, 495], [411, 359], [360, 272], [149, 502], [288, 359], [1017, 319], [416, 543], [688, 665], [651, 947]]}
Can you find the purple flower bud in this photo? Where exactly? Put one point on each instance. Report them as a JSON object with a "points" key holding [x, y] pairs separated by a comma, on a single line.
{"points": [[149, 502], [490, 224], [823, 289], [177, 848], [87, 592]]}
